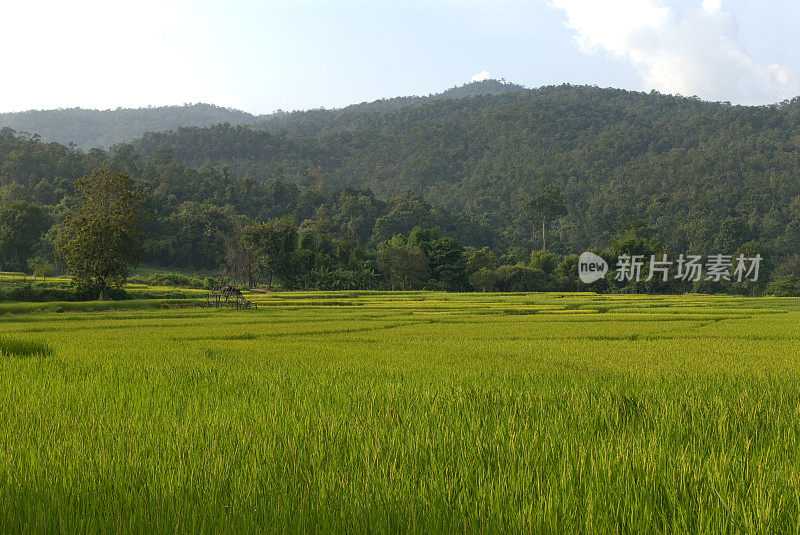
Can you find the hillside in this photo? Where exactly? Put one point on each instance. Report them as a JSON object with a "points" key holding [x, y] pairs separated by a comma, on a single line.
{"points": [[314, 122], [704, 177], [694, 170], [104, 128]]}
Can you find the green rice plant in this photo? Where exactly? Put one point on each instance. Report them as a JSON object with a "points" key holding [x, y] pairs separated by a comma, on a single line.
{"points": [[387, 413], [14, 347]]}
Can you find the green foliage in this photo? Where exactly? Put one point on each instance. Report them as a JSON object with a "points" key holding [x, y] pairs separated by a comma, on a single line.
{"points": [[787, 278], [445, 258], [520, 278], [784, 287], [106, 128], [271, 246], [22, 224], [408, 210], [566, 273], [41, 268], [404, 265], [545, 206], [195, 236], [483, 279], [481, 259], [733, 233], [751, 249], [683, 165], [104, 234]]}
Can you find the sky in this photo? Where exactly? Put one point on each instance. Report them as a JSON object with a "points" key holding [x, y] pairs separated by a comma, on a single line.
{"points": [[261, 56]]}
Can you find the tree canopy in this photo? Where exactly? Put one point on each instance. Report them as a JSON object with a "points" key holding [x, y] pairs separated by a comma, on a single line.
{"points": [[104, 234]]}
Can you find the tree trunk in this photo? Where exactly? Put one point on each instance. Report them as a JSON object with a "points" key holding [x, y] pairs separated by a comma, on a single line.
{"points": [[104, 292], [544, 238]]}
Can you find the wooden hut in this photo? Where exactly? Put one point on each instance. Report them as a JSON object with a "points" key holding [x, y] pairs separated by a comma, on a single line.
{"points": [[228, 296]]}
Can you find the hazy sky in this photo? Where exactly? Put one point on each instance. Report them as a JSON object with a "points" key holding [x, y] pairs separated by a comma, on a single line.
{"points": [[268, 55]]}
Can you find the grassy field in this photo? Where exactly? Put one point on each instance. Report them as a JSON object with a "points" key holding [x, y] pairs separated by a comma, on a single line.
{"points": [[423, 412]]}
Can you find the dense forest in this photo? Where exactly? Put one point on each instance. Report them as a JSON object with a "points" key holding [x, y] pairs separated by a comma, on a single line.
{"points": [[315, 122], [691, 169], [442, 187]]}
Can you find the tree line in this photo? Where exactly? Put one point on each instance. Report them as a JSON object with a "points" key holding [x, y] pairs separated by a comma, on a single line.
{"points": [[103, 235]]}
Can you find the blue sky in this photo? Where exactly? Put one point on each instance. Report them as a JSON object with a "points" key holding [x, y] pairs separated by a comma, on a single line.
{"points": [[268, 55]]}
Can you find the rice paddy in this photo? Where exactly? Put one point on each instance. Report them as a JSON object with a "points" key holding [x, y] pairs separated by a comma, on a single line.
{"points": [[402, 412]]}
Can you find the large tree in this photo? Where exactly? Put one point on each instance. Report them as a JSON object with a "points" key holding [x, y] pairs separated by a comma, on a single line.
{"points": [[270, 246], [446, 259], [404, 266], [104, 234], [545, 206]]}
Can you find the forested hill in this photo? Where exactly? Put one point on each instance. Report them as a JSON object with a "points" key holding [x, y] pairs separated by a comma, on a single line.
{"points": [[703, 174], [321, 120], [96, 128], [393, 195], [707, 177]]}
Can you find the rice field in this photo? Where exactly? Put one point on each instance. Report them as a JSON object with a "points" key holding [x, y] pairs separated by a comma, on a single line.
{"points": [[402, 412]]}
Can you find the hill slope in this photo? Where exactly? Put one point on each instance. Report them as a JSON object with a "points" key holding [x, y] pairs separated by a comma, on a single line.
{"points": [[690, 168], [104, 128], [321, 120], [707, 176]]}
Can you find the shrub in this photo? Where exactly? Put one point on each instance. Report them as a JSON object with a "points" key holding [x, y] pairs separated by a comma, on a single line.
{"points": [[784, 287], [520, 278]]}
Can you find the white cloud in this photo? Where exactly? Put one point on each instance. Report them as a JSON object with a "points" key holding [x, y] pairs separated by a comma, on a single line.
{"points": [[481, 76], [712, 6], [692, 51]]}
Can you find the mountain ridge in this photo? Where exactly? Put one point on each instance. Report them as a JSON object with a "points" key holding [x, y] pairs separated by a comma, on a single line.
{"points": [[89, 128]]}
